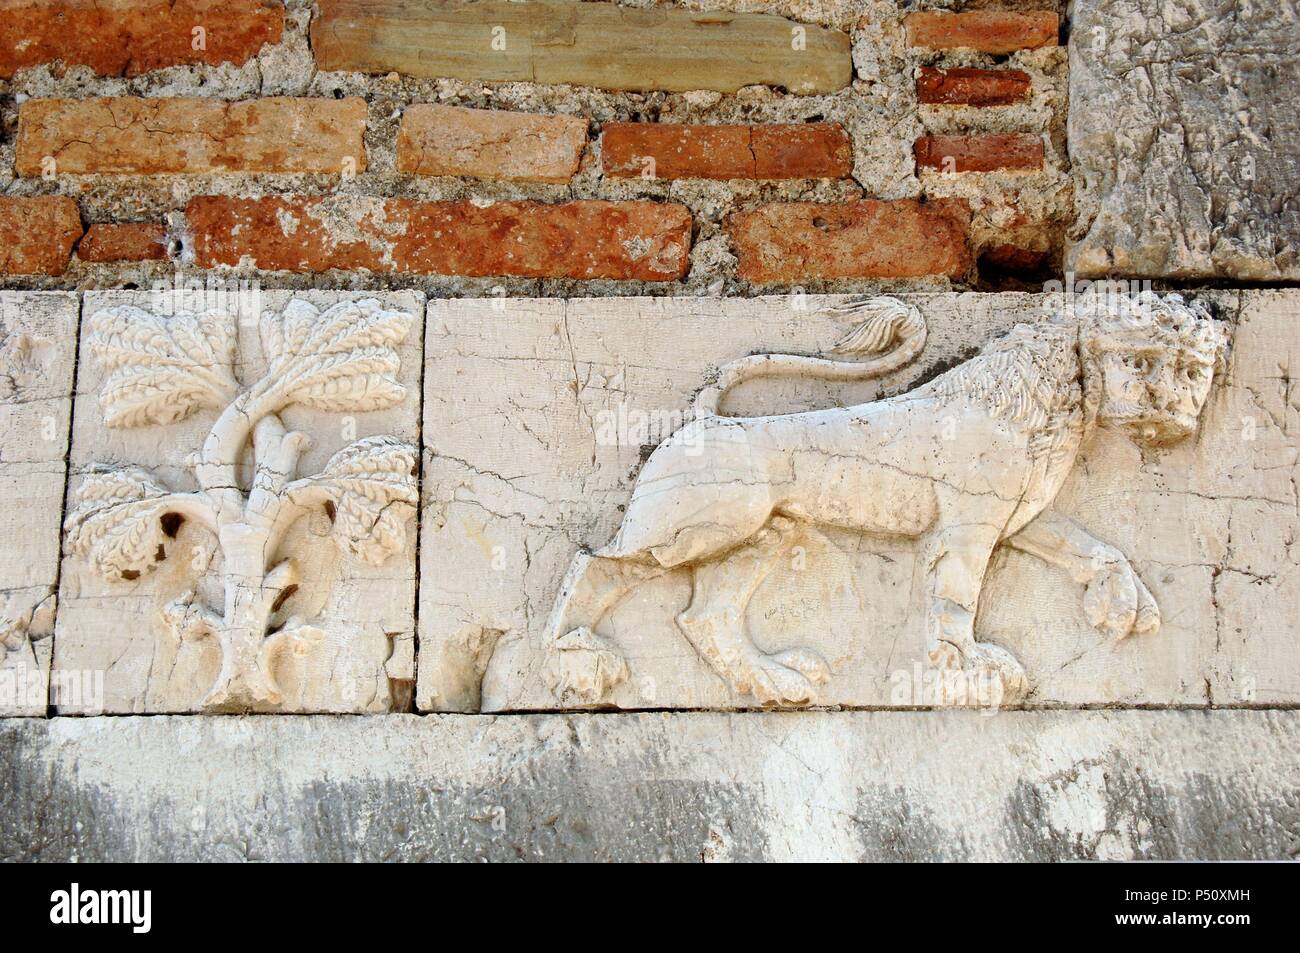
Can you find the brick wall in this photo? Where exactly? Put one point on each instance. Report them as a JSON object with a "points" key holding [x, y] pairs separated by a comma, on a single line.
{"points": [[661, 149]]}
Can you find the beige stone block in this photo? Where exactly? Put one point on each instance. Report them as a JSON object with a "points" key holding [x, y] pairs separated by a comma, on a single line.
{"points": [[137, 136], [37, 357], [240, 532], [489, 143], [1146, 565], [583, 44]]}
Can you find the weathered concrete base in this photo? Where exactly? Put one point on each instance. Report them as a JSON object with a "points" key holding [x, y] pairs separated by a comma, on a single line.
{"points": [[949, 785]]}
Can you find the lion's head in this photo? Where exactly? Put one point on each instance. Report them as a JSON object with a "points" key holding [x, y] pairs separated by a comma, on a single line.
{"points": [[1148, 363]]}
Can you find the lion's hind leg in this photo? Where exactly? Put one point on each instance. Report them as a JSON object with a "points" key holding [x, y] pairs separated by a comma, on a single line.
{"points": [[714, 623], [582, 664]]}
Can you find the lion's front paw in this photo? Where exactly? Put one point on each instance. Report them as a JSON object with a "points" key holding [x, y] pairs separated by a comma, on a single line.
{"points": [[783, 678], [1117, 602], [1000, 679], [981, 676]]}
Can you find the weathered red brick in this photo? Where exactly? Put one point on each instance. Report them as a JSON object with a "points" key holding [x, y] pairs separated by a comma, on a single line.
{"points": [[971, 87], [986, 153], [130, 135], [643, 241], [125, 241], [989, 31], [489, 143], [129, 37], [679, 151], [905, 238], [37, 234]]}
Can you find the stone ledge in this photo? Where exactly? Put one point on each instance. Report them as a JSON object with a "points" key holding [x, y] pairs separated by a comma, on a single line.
{"points": [[817, 785]]}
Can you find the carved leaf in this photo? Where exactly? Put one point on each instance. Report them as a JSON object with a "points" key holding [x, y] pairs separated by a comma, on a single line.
{"points": [[372, 490], [162, 369], [117, 524], [337, 360]]}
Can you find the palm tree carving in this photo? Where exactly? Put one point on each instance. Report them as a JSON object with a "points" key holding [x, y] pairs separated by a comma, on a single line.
{"points": [[162, 370]]}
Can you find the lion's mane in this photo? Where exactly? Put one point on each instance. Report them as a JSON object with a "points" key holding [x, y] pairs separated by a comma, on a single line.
{"points": [[1030, 378]]}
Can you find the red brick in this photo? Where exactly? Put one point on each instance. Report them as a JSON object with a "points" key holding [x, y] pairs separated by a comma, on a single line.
{"points": [[971, 87], [643, 241], [37, 234], [489, 143], [130, 135], [801, 151], [1014, 151], [989, 31], [905, 238], [128, 241], [129, 37]]}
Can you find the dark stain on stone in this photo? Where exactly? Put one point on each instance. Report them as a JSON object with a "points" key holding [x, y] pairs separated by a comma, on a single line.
{"points": [[892, 829], [558, 805], [553, 813], [943, 367]]}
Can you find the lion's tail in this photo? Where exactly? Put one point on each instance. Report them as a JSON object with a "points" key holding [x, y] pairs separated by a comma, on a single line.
{"points": [[890, 333]]}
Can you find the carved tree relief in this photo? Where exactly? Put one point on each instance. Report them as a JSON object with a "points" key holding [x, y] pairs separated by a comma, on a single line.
{"points": [[162, 370], [963, 464]]}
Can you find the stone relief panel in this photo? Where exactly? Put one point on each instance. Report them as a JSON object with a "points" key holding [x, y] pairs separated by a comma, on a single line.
{"points": [[239, 532], [37, 357], [1213, 524], [914, 501]]}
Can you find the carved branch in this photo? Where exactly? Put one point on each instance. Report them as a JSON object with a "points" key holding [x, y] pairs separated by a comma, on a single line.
{"points": [[370, 487], [117, 522], [276, 453]]}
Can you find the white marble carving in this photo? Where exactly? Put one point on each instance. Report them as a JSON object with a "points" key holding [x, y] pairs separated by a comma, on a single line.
{"points": [[829, 539], [267, 608], [963, 464], [37, 355]]}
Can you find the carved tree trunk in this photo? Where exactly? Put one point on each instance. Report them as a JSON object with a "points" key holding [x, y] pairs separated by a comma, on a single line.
{"points": [[248, 545], [250, 601]]}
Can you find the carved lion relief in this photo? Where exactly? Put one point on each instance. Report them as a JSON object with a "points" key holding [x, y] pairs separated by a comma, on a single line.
{"points": [[248, 492], [963, 464]]}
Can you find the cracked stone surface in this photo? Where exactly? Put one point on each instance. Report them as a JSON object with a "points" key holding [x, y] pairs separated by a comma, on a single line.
{"points": [[37, 357], [1184, 140], [1043, 786], [362, 660], [539, 415]]}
